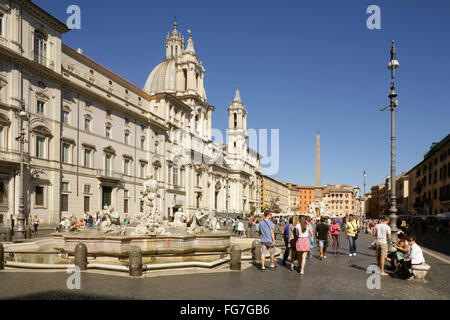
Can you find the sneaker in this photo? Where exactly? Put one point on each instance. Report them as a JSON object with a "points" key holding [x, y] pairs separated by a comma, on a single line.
{"points": [[410, 278], [354, 254], [325, 257], [350, 254], [302, 272]]}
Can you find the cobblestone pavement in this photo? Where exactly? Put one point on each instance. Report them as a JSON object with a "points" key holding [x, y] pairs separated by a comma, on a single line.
{"points": [[339, 277]]}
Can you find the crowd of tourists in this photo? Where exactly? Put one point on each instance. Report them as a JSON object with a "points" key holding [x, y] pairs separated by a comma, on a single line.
{"points": [[302, 234]]}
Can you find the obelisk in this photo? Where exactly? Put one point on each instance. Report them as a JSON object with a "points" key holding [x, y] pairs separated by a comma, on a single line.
{"points": [[318, 187]]}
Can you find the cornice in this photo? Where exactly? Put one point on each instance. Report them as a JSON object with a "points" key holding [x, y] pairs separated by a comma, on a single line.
{"points": [[42, 15]]}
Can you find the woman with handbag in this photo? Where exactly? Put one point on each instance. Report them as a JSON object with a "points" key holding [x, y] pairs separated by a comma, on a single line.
{"points": [[303, 243], [351, 233]]}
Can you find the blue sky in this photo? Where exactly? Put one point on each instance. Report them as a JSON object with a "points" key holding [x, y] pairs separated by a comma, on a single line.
{"points": [[300, 66]]}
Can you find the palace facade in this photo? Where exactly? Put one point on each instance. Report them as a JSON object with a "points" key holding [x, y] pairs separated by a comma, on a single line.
{"points": [[93, 138]]}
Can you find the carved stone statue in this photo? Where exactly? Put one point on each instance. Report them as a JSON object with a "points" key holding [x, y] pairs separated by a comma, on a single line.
{"points": [[202, 221], [110, 222], [150, 222]]}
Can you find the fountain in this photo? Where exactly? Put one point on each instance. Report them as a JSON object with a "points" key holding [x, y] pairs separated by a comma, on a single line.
{"points": [[193, 233]]}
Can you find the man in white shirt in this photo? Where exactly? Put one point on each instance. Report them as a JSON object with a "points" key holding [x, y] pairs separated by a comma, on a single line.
{"points": [[241, 229], [382, 232], [414, 256]]}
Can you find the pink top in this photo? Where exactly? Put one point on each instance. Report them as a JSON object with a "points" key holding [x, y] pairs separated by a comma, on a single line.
{"points": [[334, 229]]}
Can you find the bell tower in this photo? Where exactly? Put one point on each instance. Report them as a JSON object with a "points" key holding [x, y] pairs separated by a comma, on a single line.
{"points": [[237, 125], [174, 43]]}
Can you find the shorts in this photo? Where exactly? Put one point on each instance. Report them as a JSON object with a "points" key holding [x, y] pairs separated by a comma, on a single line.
{"points": [[323, 244], [381, 250], [267, 248]]}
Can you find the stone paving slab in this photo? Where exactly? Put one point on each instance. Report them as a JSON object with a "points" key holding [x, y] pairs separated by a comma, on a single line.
{"points": [[339, 277]]}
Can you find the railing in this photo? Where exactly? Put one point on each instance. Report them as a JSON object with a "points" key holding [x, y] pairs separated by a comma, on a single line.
{"points": [[42, 59], [13, 156], [109, 174]]}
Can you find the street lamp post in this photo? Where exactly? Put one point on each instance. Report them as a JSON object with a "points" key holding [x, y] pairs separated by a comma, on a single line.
{"points": [[21, 218], [393, 65]]}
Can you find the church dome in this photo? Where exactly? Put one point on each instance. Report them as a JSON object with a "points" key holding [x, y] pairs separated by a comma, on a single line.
{"points": [[162, 78]]}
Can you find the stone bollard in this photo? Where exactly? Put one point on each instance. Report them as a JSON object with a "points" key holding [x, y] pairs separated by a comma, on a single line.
{"points": [[235, 258], [256, 251], [28, 233], [8, 235], [81, 256], [2, 257], [135, 261]]}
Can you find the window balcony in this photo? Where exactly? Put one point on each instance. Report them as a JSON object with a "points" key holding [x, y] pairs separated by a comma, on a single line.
{"points": [[42, 59], [13, 156], [109, 175]]}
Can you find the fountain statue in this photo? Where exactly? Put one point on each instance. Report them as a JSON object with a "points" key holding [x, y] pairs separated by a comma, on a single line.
{"points": [[321, 207], [150, 222], [110, 222]]}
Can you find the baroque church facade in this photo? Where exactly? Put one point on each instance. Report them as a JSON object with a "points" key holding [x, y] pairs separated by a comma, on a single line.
{"points": [[92, 138]]}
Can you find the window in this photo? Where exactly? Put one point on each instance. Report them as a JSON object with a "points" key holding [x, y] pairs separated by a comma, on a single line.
{"points": [[87, 204], [175, 173], [87, 188], [126, 166], [39, 196], [142, 142], [2, 137], [40, 107], [127, 121], [108, 158], [87, 158], [125, 205], [127, 137], [156, 173], [65, 153], [65, 187], [70, 69], [65, 202], [65, 116], [1, 24], [88, 104], [40, 142], [142, 170], [87, 124], [108, 132], [108, 114], [40, 48]]}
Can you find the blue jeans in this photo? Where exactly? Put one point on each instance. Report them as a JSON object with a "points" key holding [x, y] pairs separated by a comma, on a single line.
{"points": [[352, 243]]}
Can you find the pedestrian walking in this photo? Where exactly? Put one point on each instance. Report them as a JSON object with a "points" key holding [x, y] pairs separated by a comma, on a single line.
{"points": [[241, 229], [90, 221], [303, 245], [351, 233], [286, 236], [382, 233], [322, 234], [311, 241], [127, 221], [97, 219], [267, 230], [35, 222], [85, 218], [335, 230], [293, 237]]}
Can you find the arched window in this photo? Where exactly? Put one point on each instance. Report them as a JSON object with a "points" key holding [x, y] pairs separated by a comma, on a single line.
{"points": [[40, 47]]}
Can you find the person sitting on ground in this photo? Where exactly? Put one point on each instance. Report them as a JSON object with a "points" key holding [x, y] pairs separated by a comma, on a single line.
{"points": [[414, 257]]}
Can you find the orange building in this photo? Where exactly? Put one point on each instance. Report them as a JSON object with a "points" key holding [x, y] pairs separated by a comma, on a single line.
{"points": [[306, 194]]}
